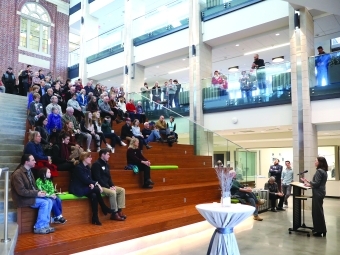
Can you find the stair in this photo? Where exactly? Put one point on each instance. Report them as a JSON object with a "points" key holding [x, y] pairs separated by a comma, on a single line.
{"points": [[12, 132]]}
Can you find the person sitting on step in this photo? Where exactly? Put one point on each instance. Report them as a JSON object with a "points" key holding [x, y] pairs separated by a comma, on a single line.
{"points": [[151, 135], [274, 194], [101, 173], [126, 131], [109, 133], [246, 193], [25, 193]]}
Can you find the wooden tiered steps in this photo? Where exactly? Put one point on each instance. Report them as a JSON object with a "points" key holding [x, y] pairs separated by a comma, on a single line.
{"points": [[170, 204]]}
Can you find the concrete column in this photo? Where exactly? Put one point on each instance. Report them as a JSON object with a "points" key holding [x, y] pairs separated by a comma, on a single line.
{"points": [[87, 23], [134, 79], [200, 66], [304, 132]]}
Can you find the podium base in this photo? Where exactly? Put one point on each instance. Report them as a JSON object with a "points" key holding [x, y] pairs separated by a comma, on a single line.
{"points": [[290, 230]]}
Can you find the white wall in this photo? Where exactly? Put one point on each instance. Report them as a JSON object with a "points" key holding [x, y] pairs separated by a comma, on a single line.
{"points": [[280, 115], [166, 44], [321, 107], [106, 65], [255, 15]]}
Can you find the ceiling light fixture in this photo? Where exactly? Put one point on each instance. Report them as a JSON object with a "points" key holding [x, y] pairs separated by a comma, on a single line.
{"points": [[109, 80], [183, 59], [265, 49], [178, 70], [237, 45], [278, 59], [233, 69], [157, 66], [277, 34]]}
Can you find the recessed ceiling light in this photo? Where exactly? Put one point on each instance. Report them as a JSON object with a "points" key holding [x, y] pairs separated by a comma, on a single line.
{"points": [[183, 59], [277, 34], [109, 80], [157, 66], [237, 45], [145, 78]]}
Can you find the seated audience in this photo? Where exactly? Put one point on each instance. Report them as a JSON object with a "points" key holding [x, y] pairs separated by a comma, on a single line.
{"points": [[122, 106], [97, 91], [35, 89], [134, 157], [41, 74], [132, 111], [88, 127], [162, 127], [274, 194], [117, 112], [46, 99], [40, 126], [88, 88], [81, 135], [92, 106], [109, 133], [36, 109], [58, 92], [101, 98], [45, 184], [246, 193], [54, 123], [69, 92], [63, 154], [171, 125], [138, 134], [101, 173], [97, 122], [78, 113], [105, 109], [126, 131], [141, 112], [43, 88], [25, 193], [54, 103], [121, 93], [82, 184], [34, 148], [75, 138], [35, 79], [151, 135]]}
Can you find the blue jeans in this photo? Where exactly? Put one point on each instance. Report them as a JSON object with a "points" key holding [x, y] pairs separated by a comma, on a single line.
{"points": [[153, 136], [44, 205], [171, 100], [249, 197], [56, 207]]}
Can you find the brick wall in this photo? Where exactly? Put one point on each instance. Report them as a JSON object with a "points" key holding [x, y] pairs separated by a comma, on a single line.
{"points": [[10, 32]]}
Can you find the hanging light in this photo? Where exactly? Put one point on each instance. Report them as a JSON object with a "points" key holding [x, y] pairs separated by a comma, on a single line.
{"points": [[233, 69], [278, 59]]}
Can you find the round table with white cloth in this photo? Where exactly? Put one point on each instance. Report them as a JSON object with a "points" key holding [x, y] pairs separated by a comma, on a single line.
{"points": [[223, 241]]}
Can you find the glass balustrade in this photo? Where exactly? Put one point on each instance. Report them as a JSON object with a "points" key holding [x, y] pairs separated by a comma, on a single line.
{"points": [[105, 45], [205, 142], [324, 75], [166, 19], [73, 57], [215, 8], [247, 88]]}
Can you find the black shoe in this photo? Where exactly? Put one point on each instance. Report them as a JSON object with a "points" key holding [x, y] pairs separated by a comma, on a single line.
{"points": [[95, 221], [273, 210], [60, 220], [281, 209], [147, 186], [319, 234], [107, 210], [148, 146], [150, 182]]}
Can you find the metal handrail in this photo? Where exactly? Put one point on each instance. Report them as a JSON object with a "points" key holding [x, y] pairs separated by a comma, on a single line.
{"points": [[6, 239]]}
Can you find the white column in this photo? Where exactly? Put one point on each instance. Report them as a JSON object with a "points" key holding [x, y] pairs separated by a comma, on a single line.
{"points": [[87, 23], [304, 132]]}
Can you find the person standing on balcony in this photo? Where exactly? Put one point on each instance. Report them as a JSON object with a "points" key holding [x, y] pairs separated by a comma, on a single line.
{"points": [[321, 64], [259, 65], [146, 96], [178, 89], [171, 92], [156, 95]]}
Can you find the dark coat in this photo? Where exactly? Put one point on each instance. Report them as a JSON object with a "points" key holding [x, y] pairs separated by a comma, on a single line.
{"points": [[276, 171], [126, 131], [34, 112], [35, 150], [80, 180], [44, 134], [101, 173], [22, 193], [134, 156]]}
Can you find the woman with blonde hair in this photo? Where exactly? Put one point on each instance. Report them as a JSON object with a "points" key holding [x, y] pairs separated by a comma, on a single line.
{"points": [[87, 126], [97, 122], [81, 184], [134, 157]]}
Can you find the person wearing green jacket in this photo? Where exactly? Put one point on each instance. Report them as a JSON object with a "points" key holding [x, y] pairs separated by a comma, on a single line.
{"points": [[44, 183]]}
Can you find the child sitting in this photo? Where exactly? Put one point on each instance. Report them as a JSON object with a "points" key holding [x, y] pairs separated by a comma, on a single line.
{"points": [[44, 183], [54, 123]]}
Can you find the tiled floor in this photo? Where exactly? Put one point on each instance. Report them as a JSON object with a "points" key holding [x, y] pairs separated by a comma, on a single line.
{"points": [[267, 237]]}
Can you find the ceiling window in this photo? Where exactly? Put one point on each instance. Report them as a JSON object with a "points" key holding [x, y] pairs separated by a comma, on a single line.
{"points": [[35, 27]]}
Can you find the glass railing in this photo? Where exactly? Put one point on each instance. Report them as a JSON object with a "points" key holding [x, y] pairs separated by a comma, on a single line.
{"points": [[73, 57], [166, 19], [216, 8], [248, 88], [105, 45], [324, 74], [206, 143]]}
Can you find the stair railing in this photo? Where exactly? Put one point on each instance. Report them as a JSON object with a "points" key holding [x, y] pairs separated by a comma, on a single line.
{"points": [[6, 239]]}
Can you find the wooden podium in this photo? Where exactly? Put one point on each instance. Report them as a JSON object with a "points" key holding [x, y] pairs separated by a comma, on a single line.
{"points": [[298, 197]]}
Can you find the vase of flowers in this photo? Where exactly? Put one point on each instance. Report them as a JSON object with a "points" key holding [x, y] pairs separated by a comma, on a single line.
{"points": [[225, 176]]}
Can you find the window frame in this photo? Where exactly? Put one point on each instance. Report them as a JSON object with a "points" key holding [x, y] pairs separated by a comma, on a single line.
{"points": [[29, 19]]}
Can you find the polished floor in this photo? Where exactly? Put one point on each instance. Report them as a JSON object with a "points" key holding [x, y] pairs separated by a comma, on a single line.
{"points": [[267, 237]]}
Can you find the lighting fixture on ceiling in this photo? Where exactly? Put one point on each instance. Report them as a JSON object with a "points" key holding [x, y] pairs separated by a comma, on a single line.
{"points": [[178, 70], [109, 80], [183, 59], [278, 59], [265, 49], [145, 78], [237, 45], [157, 66], [233, 69], [277, 34], [297, 19]]}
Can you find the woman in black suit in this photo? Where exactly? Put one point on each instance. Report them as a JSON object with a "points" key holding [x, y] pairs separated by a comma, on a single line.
{"points": [[135, 157], [318, 185], [82, 185]]}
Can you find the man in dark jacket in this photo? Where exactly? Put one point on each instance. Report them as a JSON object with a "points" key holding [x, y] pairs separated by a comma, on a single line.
{"points": [[276, 171], [26, 78], [274, 194], [25, 193], [8, 79], [126, 132], [101, 173]]}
